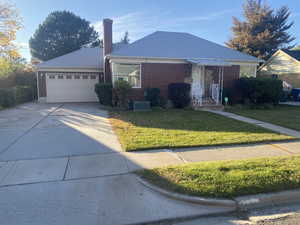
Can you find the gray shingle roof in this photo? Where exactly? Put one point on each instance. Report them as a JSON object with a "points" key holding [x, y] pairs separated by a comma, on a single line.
{"points": [[293, 53], [85, 58], [174, 45]]}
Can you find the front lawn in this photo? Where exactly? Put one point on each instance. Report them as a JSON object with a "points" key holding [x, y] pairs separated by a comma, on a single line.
{"points": [[184, 128], [228, 179], [282, 115]]}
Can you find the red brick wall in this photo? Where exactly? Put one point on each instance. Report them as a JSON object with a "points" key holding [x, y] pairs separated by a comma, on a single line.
{"points": [[231, 74], [107, 71], [160, 75]]}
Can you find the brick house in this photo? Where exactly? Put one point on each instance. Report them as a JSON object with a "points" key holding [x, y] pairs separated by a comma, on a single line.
{"points": [[156, 60]]}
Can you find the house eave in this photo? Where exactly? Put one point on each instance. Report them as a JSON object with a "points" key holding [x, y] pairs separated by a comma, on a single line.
{"points": [[70, 69], [184, 59]]}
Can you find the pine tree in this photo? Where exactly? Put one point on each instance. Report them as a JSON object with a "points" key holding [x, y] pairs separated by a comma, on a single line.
{"points": [[264, 30], [61, 32]]}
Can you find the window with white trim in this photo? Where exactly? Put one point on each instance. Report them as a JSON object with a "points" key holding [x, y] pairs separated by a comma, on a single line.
{"points": [[128, 72], [247, 70]]}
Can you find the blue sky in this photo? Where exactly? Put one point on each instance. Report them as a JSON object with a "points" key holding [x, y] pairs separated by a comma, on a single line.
{"points": [[208, 19]]}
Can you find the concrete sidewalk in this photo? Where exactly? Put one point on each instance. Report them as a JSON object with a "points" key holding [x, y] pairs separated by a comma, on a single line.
{"points": [[166, 157], [112, 164], [266, 125]]}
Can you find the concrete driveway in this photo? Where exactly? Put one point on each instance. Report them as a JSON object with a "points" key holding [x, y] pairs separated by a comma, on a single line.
{"points": [[34, 131], [62, 164]]}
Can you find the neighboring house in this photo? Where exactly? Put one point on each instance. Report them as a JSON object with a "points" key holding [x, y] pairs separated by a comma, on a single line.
{"points": [[284, 64], [156, 60]]}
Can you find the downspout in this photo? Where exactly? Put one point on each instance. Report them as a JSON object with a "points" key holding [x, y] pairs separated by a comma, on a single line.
{"points": [[37, 84]]}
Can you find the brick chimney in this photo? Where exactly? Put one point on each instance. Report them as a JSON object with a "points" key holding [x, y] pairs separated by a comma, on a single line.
{"points": [[107, 36]]}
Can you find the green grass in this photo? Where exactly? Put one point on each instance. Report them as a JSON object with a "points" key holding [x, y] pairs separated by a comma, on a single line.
{"points": [[286, 116], [228, 179], [184, 128]]}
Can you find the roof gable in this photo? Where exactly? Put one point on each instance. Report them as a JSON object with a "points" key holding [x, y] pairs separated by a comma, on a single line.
{"points": [[174, 45], [280, 63]]}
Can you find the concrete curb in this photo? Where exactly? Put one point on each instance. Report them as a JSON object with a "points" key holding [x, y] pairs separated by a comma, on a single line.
{"points": [[187, 198], [239, 203], [269, 199]]}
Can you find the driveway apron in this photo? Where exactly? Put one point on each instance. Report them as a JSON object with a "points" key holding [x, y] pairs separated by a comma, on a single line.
{"points": [[55, 131]]}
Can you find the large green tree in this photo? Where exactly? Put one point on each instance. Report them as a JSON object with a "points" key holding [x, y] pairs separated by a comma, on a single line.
{"points": [[62, 32], [264, 30]]}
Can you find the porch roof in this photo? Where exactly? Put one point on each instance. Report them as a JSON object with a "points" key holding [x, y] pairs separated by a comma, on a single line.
{"points": [[209, 62]]}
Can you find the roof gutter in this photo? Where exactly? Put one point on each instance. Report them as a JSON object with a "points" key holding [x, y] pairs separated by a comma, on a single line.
{"points": [[69, 69], [166, 58]]}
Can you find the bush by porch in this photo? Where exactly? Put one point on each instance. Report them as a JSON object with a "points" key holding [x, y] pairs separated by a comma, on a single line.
{"points": [[184, 128]]}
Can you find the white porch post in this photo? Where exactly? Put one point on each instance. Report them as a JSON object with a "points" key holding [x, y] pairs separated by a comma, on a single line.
{"points": [[221, 85], [196, 87]]}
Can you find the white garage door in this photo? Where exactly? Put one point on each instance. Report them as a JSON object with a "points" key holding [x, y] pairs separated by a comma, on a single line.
{"points": [[71, 87]]}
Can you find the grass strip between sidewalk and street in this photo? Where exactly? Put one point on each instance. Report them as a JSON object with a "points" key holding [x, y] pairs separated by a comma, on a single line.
{"points": [[228, 179], [174, 128]]}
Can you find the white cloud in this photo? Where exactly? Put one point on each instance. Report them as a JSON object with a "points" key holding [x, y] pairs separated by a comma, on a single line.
{"points": [[208, 17], [139, 24]]}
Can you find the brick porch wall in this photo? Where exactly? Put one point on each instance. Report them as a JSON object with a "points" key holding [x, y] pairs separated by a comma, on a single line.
{"points": [[160, 75], [231, 74]]}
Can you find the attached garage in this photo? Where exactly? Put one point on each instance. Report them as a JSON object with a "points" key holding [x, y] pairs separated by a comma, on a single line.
{"points": [[71, 77], [71, 87]]}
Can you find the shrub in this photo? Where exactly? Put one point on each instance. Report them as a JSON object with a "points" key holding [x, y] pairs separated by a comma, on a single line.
{"points": [[7, 97], [231, 94], [24, 94], [260, 90], [179, 94], [162, 102], [16, 95], [121, 92], [153, 96], [104, 93], [25, 78]]}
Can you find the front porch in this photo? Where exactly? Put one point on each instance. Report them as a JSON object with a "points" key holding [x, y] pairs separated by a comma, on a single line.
{"points": [[207, 78]]}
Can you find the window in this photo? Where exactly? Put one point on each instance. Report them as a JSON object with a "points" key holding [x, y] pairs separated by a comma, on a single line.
{"points": [[248, 71], [69, 76], [60, 77], [77, 77], [93, 77], [51, 76], [128, 72]]}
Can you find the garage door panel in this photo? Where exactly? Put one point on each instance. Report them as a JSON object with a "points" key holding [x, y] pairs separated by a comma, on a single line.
{"points": [[71, 90]]}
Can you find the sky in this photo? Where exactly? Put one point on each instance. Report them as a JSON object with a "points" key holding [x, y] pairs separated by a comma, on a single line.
{"points": [[209, 19]]}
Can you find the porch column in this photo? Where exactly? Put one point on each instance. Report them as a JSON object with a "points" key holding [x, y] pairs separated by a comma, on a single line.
{"points": [[196, 87], [221, 84]]}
